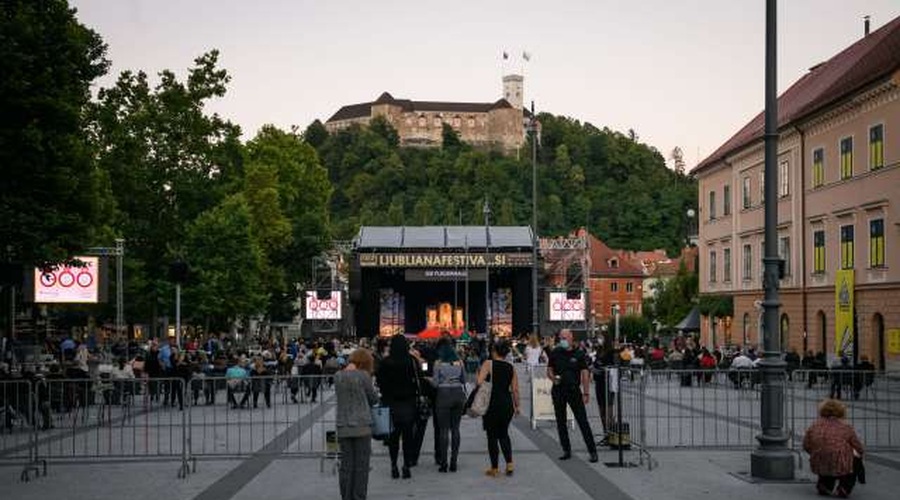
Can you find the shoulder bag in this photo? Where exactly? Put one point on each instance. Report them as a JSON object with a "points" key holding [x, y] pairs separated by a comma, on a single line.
{"points": [[481, 397]]}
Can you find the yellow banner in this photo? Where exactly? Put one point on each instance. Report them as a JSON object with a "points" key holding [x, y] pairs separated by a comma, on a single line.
{"points": [[843, 313], [894, 341]]}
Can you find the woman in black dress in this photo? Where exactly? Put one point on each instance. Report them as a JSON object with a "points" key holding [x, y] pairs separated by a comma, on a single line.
{"points": [[504, 403], [397, 378]]}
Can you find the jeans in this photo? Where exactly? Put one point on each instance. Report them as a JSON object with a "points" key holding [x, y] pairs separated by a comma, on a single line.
{"points": [[449, 407], [354, 470]]}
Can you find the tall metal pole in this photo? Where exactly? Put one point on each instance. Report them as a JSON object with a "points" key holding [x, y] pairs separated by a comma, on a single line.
{"points": [[486, 210], [616, 313], [535, 320], [771, 459], [120, 283], [178, 315], [466, 320]]}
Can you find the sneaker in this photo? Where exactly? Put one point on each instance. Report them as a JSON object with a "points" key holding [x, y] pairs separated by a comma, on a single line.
{"points": [[492, 472], [509, 469]]}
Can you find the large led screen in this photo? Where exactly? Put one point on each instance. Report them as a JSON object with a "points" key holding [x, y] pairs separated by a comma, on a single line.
{"points": [[68, 284], [329, 308]]}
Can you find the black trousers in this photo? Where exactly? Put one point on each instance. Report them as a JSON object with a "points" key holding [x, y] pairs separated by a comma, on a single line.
{"points": [[403, 416], [838, 485], [571, 396]]}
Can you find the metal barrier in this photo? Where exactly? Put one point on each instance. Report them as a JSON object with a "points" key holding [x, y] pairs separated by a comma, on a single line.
{"points": [[165, 419], [19, 416]]}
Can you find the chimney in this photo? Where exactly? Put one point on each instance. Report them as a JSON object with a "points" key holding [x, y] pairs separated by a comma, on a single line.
{"points": [[866, 25]]}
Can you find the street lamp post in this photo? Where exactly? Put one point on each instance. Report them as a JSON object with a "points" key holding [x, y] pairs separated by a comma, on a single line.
{"points": [[535, 320], [486, 210], [771, 459], [616, 317]]}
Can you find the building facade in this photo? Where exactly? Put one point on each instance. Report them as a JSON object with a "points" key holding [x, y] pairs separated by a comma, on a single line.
{"points": [[838, 211], [502, 123]]}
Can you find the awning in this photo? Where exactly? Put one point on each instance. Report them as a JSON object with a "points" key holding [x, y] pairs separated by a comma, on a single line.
{"points": [[691, 322]]}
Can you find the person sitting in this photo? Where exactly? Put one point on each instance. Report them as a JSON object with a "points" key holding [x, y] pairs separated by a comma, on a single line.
{"points": [[741, 370], [236, 377], [832, 443]]}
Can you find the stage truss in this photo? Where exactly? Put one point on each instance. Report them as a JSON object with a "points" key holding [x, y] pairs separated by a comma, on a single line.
{"points": [[567, 266]]}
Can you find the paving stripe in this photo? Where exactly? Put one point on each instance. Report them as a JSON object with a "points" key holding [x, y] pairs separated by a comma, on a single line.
{"points": [[234, 481], [594, 484]]}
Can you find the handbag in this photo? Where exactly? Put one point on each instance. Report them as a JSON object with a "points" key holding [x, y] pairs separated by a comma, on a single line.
{"points": [[423, 404], [859, 469], [381, 422], [481, 397]]}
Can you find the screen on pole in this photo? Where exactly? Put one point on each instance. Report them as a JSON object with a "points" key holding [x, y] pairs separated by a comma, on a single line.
{"points": [[565, 309], [68, 284], [329, 308]]}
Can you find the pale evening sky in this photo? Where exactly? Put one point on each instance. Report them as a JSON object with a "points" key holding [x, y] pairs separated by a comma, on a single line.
{"points": [[684, 73]]}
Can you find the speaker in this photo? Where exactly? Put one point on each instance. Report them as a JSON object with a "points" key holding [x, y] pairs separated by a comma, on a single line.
{"points": [[178, 271], [355, 281], [323, 293], [573, 293]]}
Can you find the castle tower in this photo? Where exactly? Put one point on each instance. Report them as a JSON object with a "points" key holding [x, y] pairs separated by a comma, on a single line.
{"points": [[514, 90]]}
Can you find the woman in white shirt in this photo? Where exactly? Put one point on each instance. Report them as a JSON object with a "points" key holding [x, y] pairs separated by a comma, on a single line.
{"points": [[534, 353]]}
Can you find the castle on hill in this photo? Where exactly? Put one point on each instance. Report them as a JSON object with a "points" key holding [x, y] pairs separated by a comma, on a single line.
{"points": [[502, 123]]}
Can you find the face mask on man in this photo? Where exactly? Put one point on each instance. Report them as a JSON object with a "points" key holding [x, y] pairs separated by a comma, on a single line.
{"points": [[564, 344]]}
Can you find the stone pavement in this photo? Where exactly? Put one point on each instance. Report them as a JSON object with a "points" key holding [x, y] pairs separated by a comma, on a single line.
{"points": [[268, 473]]}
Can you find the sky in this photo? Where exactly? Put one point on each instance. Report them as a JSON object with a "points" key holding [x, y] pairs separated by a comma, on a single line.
{"points": [[686, 73]]}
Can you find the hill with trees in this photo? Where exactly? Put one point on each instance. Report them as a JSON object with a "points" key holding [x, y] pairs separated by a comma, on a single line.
{"points": [[609, 182]]}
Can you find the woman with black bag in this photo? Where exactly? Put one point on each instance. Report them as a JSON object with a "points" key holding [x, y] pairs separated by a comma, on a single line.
{"points": [[398, 380]]}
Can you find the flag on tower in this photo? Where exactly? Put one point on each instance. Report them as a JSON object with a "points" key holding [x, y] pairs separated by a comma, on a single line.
{"points": [[526, 56], [505, 55]]}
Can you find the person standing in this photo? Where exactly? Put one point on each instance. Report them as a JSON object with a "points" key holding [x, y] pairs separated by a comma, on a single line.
{"points": [[398, 380], [534, 353], [604, 392], [503, 404], [355, 398], [449, 380], [832, 443], [568, 369]]}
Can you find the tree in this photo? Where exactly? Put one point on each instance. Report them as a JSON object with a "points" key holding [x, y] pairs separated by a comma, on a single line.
{"points": [[633, 327], [50, 186], [226, 265], [168, 161], [288, 192]]}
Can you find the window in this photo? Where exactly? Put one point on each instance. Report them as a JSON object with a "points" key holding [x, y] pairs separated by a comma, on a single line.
{"points": [[784, 252], [847, 247], [762, 186], [629, 309], [613, 309], [712, 205], [818, 174], [437, 121], [784, 179], [748, 262], [846, 158], [745, 193], [614, 286], [726, 263], [819, 252], [876, 243], [470, 122], [422, 121], [613, 263], [726, 200], [457, 122], [876, 147], [712, 266], [629, 287]]}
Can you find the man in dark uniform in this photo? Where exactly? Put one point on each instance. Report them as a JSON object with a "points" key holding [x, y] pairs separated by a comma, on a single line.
{"points": [[568, 369]]}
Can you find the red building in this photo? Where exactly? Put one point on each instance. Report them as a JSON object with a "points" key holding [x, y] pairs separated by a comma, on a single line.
{"points": [[615, 280]]}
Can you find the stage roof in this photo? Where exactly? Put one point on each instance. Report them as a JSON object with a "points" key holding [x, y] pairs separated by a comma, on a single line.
{"points": [[441, 237]]}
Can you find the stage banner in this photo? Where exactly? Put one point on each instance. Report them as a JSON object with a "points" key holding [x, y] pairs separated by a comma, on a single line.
{"points": [[445, 260], [843, 313], [391, 318], [501, 312], [444, 275]]}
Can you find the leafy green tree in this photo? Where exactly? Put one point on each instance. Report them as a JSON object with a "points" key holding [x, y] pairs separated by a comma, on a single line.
{"points": [[168, 160], [633, 327], [288, 192], [673, 298], [51, 194], [226, 265]]}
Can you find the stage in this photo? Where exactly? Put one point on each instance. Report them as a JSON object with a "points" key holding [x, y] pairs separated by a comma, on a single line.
{"points": [[406, 279]]}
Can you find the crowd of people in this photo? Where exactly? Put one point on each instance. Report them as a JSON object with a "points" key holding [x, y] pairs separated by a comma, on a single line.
{"points": [[421, 381]]}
